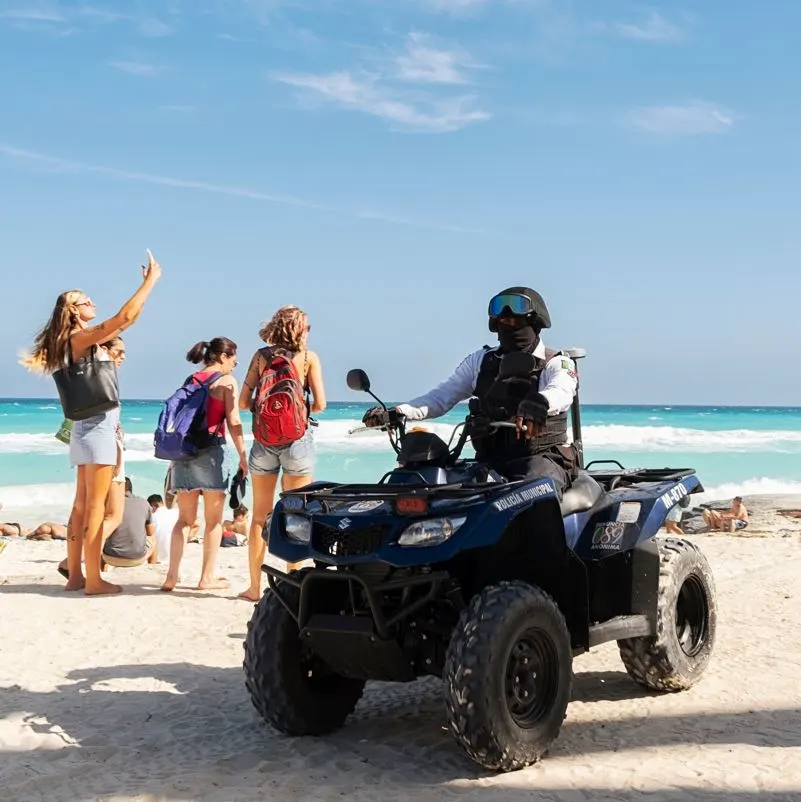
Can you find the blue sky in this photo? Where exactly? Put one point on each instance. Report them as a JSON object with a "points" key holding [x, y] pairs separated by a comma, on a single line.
{"points": [[389, 166]]}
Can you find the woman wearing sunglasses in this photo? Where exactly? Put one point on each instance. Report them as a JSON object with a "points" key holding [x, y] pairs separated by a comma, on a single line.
{"points": [[68, 340], [115, 501]]}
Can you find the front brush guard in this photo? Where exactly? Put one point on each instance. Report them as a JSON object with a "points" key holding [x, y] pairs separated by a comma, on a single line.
{"points": [[382, 623]]}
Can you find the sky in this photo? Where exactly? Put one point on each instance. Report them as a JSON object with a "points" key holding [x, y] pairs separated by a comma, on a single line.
{"points": [[389, 166]]}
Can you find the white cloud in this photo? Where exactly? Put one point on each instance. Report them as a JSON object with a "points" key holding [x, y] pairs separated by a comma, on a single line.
{"points": [[654, 29], [82, 16], [153, 27], [136, 68], [33, 15], [454, 6], [57, 164], [423, 63], [408, 111], [698, 117]]}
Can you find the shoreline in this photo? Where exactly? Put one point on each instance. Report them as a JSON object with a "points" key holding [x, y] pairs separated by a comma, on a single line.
{"points": [[764, 509]]}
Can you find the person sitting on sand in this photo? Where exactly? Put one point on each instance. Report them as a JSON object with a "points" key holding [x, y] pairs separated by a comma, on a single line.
{"points": [[132, 542], [728, 520], [673, 518], [235, 533]]}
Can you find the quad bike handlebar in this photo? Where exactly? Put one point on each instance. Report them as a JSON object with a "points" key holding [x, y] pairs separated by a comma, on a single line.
{"points": [[394, 424]]}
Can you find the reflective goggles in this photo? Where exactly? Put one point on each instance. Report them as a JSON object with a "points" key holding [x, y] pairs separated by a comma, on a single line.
{"points": [[515, 304]]}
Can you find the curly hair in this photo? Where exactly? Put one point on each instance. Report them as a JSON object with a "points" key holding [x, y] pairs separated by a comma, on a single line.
{"points": [[52, 343], [287, 328]]}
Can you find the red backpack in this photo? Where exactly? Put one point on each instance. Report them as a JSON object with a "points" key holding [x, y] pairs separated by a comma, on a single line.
{"points": [[280, 409]]}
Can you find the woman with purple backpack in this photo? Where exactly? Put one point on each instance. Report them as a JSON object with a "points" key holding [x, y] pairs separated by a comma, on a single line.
{"points": [[207, 473]]}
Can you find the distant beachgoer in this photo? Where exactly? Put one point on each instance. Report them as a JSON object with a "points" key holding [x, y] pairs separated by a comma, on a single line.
{"points": [[208, 472], [164, 520], [235, 532], [286, 334], [67, 338], [672, 521], [49, 530], [13, 530], [132, 543], [731, 520], [673, 518]]}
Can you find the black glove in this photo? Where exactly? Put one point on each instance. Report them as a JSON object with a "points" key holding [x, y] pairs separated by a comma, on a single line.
{"points": [[375, 416], [378, 416], [534, 408]]}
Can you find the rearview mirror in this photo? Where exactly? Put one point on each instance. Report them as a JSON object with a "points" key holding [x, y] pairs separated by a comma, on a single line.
{"points": [[358, 380], [517, 363]]}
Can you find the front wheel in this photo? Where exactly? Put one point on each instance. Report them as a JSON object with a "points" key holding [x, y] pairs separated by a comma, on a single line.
{"points": [[675, 658], [289, 685], [508, 674]]}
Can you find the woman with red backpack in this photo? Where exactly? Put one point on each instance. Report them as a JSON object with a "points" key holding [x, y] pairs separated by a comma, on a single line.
{"points": [[207, 471], [276, 391]]}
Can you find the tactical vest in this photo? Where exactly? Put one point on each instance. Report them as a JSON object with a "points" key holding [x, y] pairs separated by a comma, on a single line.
{"points": [[555, 432]]}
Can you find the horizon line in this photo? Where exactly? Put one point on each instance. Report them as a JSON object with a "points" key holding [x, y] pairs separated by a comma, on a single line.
{"points": [[662, 404]]}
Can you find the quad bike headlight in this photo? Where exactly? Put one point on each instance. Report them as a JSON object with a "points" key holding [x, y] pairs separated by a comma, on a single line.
{"points": [[298, 528], [431, 532]]}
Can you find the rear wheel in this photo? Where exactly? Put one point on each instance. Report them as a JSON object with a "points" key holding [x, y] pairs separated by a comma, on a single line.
{"points": [[289, 685], [508, 675], [675, 658]]}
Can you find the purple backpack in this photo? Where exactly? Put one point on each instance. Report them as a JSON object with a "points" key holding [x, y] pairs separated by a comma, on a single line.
{"points": [[182, 429]]}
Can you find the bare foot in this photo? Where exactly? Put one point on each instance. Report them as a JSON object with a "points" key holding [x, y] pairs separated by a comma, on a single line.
{"points": [[101, 588], [79, 583], [249, 595], [169, 585], [217, 583]]}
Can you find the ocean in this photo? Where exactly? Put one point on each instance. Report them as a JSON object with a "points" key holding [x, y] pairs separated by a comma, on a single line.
{"points": [[734, 449]]}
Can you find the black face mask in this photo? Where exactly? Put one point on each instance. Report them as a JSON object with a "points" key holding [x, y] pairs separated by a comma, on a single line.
{"points": [[523, 339]]}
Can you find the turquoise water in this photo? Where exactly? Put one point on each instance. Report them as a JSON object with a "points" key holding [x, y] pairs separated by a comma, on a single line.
{"points": [[750, 450]]}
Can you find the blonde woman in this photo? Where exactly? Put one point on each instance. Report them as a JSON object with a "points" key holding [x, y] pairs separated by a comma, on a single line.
{"points": [[115, 501], [69, 338], [285, 334]]}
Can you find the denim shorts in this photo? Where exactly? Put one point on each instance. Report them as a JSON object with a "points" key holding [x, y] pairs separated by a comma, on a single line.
{"points": [[209, 470], [93, 441], [295, 459]]}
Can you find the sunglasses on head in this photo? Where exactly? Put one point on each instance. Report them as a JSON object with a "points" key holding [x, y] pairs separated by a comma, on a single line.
{"points": [[510, 304]]}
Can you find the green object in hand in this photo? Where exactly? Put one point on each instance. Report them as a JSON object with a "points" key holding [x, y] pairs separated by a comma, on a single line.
{"points": [[65, 431]]}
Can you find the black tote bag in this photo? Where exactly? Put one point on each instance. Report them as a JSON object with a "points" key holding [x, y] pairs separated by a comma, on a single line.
{"points": [[87, 387]]}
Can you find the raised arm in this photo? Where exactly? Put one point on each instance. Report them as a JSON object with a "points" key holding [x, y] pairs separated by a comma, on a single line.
{"points": [[83, 340], [316, 383]]}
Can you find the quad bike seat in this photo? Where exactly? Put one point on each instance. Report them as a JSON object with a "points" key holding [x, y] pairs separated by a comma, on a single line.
{"points": [[581, 495]]}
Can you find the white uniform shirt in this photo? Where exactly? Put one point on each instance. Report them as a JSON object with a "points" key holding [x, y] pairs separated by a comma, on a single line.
{"points": [[557, 384]]}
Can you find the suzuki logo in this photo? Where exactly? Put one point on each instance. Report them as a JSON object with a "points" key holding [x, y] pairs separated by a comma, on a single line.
{"points": [[344, 523]]}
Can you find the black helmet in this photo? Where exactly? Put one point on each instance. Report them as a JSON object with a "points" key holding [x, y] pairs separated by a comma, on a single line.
{"points": [[521, 301]]}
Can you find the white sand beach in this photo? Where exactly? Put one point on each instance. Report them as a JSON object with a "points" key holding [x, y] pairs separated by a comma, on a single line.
{"points": [[141, 697]]}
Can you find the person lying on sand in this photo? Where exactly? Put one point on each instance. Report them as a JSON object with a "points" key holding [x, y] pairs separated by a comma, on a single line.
{"points": [[13, 530], [49, 531], [728, 520]]}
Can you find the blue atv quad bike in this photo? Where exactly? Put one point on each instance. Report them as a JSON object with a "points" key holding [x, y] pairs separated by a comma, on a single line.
{"points": [[444, 568]]}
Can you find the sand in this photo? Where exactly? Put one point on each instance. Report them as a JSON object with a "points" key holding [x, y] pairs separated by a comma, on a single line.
{"points": [[141, 697]]}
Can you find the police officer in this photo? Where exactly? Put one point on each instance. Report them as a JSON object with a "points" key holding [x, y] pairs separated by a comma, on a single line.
{"points": [[539, 404]]}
